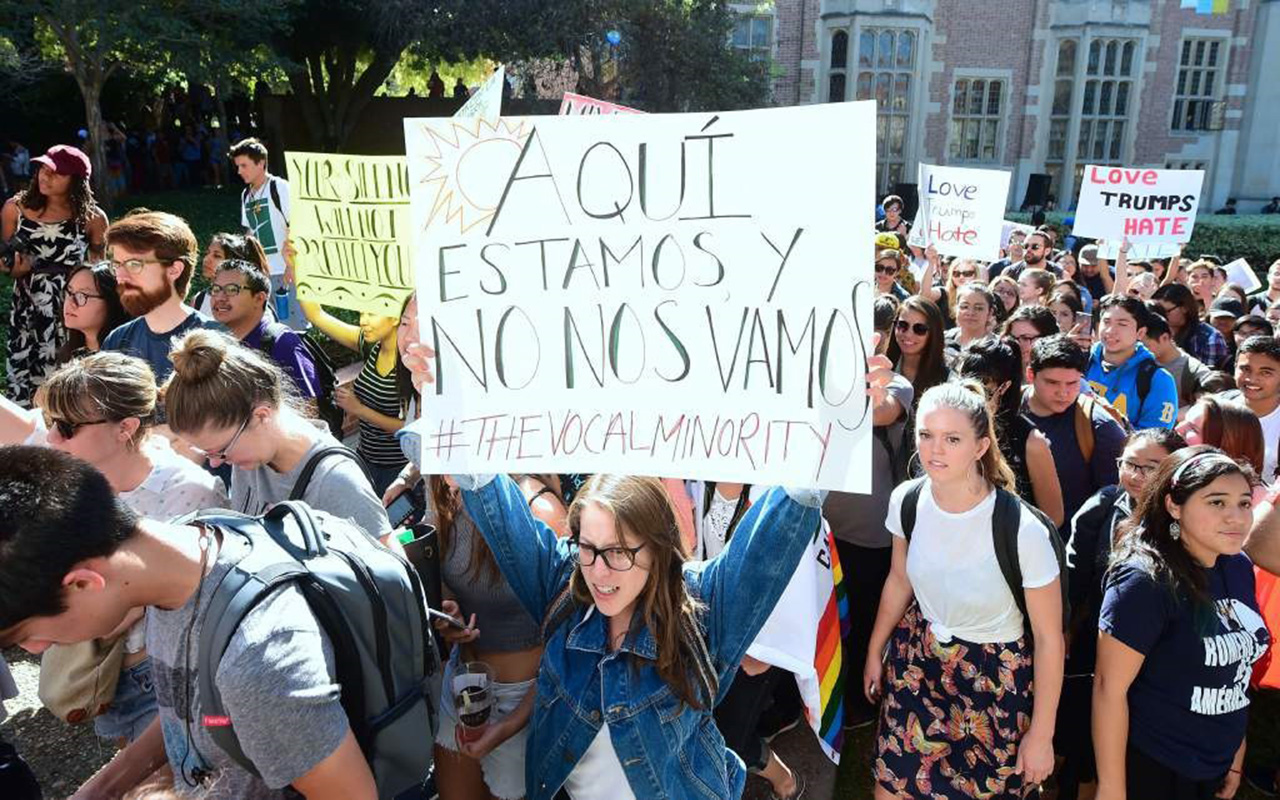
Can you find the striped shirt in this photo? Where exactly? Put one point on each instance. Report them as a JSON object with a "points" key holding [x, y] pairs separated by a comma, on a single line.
{"points": [[378, 392]]}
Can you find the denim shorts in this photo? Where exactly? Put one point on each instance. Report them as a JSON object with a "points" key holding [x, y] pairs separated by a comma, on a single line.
{"points": [[133, 706], [503, 769]]}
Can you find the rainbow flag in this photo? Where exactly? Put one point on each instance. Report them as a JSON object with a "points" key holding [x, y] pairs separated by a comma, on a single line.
{"points": [[828, 659]]}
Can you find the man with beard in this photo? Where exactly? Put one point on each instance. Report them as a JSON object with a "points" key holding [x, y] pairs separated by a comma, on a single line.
{"points": [[1035, 255], [153, 254]]}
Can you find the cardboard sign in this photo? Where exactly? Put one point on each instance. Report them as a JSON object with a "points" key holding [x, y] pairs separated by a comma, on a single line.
{"points": [[1240, 273], [961, 211], [649, 297], [581, 104], [1010, 228], [487, 100], [351, 229], [1146, 205]]}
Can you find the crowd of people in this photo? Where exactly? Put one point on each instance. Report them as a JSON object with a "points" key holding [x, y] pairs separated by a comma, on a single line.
{"points": [[1051, 581]]}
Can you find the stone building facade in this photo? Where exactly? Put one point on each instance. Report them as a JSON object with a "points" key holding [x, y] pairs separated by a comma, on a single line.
{"points": [[1042, 86]]}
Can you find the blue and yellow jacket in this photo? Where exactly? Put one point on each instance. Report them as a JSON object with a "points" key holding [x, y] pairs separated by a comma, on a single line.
{"points": [[1121, 387]]}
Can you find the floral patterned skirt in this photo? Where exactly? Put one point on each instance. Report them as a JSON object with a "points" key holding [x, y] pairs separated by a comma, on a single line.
{"points": [[35, 332], [952, 716]]}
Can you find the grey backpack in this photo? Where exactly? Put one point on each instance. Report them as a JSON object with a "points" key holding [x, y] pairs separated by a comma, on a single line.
{"points": [[367, 600]]}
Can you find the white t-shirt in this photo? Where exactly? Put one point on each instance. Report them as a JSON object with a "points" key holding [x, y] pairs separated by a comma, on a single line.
{"points": [[951, 563], [257, 208], [1271, 444], [598, 774]]}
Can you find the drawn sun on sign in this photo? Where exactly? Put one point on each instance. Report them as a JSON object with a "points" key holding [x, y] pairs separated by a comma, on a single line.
{"points": [[469, 163]]}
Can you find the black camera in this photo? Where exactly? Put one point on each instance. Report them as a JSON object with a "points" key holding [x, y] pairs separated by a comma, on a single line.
{"points": [[20, 243]]}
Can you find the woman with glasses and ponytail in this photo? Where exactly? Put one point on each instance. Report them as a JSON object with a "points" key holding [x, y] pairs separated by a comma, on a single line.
{"points": [[1179, 633]]}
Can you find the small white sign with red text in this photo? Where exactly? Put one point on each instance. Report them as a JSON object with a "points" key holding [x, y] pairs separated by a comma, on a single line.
{"points": [[961, 211], [1146, 205]]}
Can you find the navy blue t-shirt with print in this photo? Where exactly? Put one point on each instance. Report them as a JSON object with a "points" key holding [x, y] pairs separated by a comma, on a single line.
{"points": [[1187, 704], [135, 338]]}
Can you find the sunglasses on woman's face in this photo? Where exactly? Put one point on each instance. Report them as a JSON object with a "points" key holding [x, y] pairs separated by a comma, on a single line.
{"points": [[886, 269], [918, 328], [965, 273], [68, 429]]}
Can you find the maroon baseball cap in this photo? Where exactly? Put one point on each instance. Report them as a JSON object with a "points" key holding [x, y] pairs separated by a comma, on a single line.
{"points": [[66, 160]]}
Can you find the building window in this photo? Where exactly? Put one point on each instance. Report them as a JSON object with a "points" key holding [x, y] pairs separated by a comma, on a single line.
{"points": [[1200, 77], [1060, 112], [975, 120], [1186, 165], [836, 80], [886, 71], [754, 36], [1105, 102]]}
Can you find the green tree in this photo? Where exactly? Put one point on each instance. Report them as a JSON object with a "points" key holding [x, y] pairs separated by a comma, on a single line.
{"points": [[95, 39]]}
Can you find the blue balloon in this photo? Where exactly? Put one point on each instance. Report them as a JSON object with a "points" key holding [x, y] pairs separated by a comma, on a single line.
{"points": [[613, 37]]}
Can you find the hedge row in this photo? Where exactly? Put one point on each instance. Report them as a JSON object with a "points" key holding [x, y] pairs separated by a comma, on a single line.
{"points": [[1253, 237]]}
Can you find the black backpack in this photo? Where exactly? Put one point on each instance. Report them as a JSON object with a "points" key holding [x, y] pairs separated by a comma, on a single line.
{"points": [[370, 604], [326, 376], [1005, 522]]}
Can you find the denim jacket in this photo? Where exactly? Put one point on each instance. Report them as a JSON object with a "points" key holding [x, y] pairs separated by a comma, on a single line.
{"points": [[667, 749]]}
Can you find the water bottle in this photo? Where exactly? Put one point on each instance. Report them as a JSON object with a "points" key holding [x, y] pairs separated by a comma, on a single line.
{"points": [[282, 303]]}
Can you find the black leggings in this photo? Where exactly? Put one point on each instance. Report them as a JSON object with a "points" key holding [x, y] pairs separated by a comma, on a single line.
{"points": [[739, 712], [1148, 779]]}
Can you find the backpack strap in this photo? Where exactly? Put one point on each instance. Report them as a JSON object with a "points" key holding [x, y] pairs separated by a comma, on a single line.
{"points": [[1084, 426], [1005, 522], [258, 566], [907, 514], [304, 478], [1146, 371], [275, 197]]}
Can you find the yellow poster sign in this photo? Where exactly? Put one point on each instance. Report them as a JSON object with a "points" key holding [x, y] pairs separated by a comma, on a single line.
{"points": [[350, 227]]}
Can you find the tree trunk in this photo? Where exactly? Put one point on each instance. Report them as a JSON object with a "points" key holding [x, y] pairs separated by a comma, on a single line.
{"points": [[91, 90]]}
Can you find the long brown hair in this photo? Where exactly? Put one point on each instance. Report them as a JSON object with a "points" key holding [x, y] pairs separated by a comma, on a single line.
{"points": [[447, 504], [933, 361], [1234, 429], [640, 506], [1144, 540]]}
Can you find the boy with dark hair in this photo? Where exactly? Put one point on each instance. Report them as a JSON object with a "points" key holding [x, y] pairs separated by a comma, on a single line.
{"points": [[1085, 439], [1258, 387], [1190, 375], [239, 293], [153, 254], [1125, 373], [74, 561], [264, 212]]}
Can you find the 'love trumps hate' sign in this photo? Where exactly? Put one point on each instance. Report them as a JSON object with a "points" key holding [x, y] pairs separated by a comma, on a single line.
{"points": [[650, 294], [1145, 205], [961, 211]]}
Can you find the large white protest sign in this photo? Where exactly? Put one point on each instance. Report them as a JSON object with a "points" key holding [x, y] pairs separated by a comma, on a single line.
{"points": [[651, 296], [1240, 273], [961, 211], [1146, 205]]}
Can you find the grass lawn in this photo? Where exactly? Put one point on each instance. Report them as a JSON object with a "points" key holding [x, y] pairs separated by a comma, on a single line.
{"points": [[854, 779]]}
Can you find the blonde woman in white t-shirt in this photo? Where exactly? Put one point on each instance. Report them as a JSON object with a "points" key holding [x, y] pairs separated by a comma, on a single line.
{"points": [[102, 408], [948, 651]]}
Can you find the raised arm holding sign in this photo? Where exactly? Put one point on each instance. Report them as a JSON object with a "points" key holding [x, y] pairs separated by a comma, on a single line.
{"points": [[637, 295]]}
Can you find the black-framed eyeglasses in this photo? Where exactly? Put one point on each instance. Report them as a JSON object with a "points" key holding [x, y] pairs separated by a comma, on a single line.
{"points": [[1027, 338], [1141, 470], [221, 455], [918, 328], [1034, 246], [230, 289], [68, 429], [618, 559], [886, 269], [81, 299]]}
